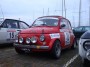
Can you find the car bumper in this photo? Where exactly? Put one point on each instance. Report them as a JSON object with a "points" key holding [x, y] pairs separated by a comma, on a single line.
{"points": [[31, 46]]}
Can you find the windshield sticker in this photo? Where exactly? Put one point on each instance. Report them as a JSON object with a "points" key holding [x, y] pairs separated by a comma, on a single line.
{"points": [[54, 35], [48, 18]]}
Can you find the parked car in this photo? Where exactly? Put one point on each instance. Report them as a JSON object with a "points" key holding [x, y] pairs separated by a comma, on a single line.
{"points": [[9, 28], [48, 33], [84, 47], [78, 31]]}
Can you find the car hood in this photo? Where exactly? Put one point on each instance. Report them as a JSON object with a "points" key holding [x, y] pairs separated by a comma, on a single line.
{"points": [[38, 30]]}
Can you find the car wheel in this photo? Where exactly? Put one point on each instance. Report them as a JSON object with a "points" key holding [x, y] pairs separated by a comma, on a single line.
{"points": [[56, 49], [74, 45], [19, 51]]}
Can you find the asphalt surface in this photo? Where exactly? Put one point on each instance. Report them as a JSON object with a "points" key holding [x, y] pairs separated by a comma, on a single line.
{"points": [[78, 63], [9, 58]]}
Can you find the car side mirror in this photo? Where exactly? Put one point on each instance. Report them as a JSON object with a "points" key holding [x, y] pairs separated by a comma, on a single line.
{"points": [[63, 25]]}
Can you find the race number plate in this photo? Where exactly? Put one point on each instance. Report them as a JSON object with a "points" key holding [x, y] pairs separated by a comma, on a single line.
{"points": [[11, 34], [67, 38]]}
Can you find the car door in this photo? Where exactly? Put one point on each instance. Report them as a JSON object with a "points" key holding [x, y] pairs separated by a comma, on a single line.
{"points": [[66, 32], [8, 31]]}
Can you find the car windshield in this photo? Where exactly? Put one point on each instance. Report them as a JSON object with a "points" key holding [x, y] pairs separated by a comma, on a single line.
{"points": [[46, 21]]}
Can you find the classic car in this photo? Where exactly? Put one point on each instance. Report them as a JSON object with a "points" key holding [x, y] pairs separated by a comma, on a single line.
{"points": [[47, 34], [9, 28]]}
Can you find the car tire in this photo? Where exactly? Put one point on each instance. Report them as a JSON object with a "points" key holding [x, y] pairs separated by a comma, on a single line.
{"points": [[19, 51], [74, 45], [56, 49]]}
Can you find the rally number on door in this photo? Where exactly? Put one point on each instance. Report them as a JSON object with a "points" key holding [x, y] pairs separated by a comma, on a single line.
{"points": [[11, 34], [67, 38]]}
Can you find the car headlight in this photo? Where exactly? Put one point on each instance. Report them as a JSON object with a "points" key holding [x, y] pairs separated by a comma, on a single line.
{"points": [[33, 39], [20, 40], [28, 40], [42, 38], [86, 45]]}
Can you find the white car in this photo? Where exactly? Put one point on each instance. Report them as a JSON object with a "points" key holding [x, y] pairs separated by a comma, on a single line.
{"points": [[9, 28], [84, 47]]}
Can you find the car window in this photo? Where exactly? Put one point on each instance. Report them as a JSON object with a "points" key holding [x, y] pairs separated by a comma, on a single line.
{"points": [[23, 25], [69, 26], [64, 21], [13, 25], [10, 24]]}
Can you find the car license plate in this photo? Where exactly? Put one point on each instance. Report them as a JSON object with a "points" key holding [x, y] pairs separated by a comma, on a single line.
{"points": [[25, 49]]}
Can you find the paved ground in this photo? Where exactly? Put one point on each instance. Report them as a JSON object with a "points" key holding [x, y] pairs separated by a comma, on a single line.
{"points": [[9, 58], [78, 63]]}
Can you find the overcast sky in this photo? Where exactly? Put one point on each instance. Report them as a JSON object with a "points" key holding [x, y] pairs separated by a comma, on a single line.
{"points": [[29, 10]]}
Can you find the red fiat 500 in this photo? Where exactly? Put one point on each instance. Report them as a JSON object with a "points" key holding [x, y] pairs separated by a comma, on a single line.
{"points": [[48, 33]]}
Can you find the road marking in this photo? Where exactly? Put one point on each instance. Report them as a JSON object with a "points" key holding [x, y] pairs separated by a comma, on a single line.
{"points": [[71, 60]]}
